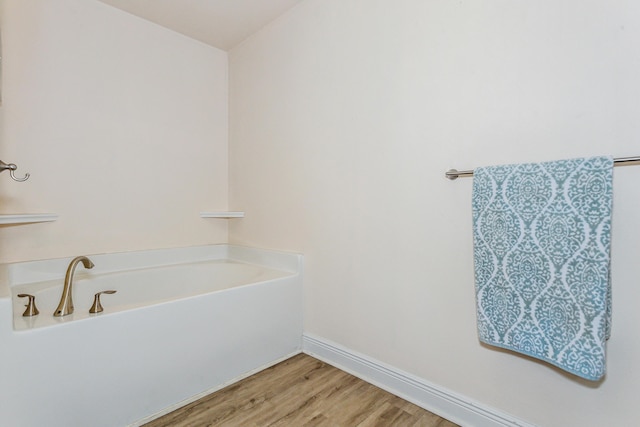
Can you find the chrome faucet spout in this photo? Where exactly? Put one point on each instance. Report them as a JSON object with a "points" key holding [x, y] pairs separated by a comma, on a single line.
{"points": [[66, 300]]}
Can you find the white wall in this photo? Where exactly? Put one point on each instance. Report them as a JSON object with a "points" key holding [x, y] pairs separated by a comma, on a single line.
{"points": [[345, 114], [122, 125]]}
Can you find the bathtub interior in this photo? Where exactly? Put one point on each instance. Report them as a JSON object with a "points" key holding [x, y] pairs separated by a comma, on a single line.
{"points": [[140, 279]]}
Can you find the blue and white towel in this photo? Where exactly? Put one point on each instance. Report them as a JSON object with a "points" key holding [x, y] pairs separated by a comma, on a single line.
{"points": [[541, 236]]}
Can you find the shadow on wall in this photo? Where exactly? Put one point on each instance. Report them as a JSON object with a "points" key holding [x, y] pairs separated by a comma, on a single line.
{"points": [[565, 374]]}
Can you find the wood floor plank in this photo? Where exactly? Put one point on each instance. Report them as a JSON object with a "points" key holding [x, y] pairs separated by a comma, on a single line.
{"points": [[317, 421], [388, 415], [359, 404], [301, 391], [292, 401], [327, 395], [428, 419]]}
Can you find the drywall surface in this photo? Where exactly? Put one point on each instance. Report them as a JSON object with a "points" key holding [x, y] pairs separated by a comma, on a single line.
{"points": [[345, 114], [122, 125]]}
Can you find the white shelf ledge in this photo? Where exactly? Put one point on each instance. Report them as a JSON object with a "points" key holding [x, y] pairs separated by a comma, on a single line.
{"points": [[26, 218], [236, 214]]}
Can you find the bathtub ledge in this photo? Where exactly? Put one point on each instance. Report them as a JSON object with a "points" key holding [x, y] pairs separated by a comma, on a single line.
{"points": [[26, 218]]}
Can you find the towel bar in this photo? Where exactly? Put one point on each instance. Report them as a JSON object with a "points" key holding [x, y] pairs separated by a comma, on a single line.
{"points": [[620, 161]]}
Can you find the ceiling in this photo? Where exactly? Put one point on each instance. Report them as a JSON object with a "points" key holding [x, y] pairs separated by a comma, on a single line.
{"points": [[219, 23]]}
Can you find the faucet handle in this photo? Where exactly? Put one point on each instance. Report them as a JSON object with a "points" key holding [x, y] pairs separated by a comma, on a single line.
{"points": [[97, 307], [31, 310]]}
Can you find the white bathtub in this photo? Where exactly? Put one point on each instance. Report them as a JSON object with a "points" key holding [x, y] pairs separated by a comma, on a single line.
{"points": [[183, 323]]}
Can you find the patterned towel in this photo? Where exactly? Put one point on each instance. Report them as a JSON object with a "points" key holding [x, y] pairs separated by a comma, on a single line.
{"points": [[541, 236]]}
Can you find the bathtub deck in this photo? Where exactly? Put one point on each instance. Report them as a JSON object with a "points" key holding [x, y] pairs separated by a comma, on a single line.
{"points": [[301, 391]]}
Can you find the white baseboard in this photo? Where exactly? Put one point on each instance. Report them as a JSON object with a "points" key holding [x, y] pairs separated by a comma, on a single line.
{"points": [[449, 405]]}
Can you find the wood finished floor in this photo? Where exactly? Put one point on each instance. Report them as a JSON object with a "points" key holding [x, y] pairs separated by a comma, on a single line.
{"points": [[301, 392]]}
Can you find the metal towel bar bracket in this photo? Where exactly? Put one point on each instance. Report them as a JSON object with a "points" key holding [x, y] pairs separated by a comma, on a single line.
{"points": [[620, 161], [12, 171]]}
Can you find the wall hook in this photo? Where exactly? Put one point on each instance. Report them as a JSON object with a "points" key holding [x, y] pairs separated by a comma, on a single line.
{"points": [[12, 171]]}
